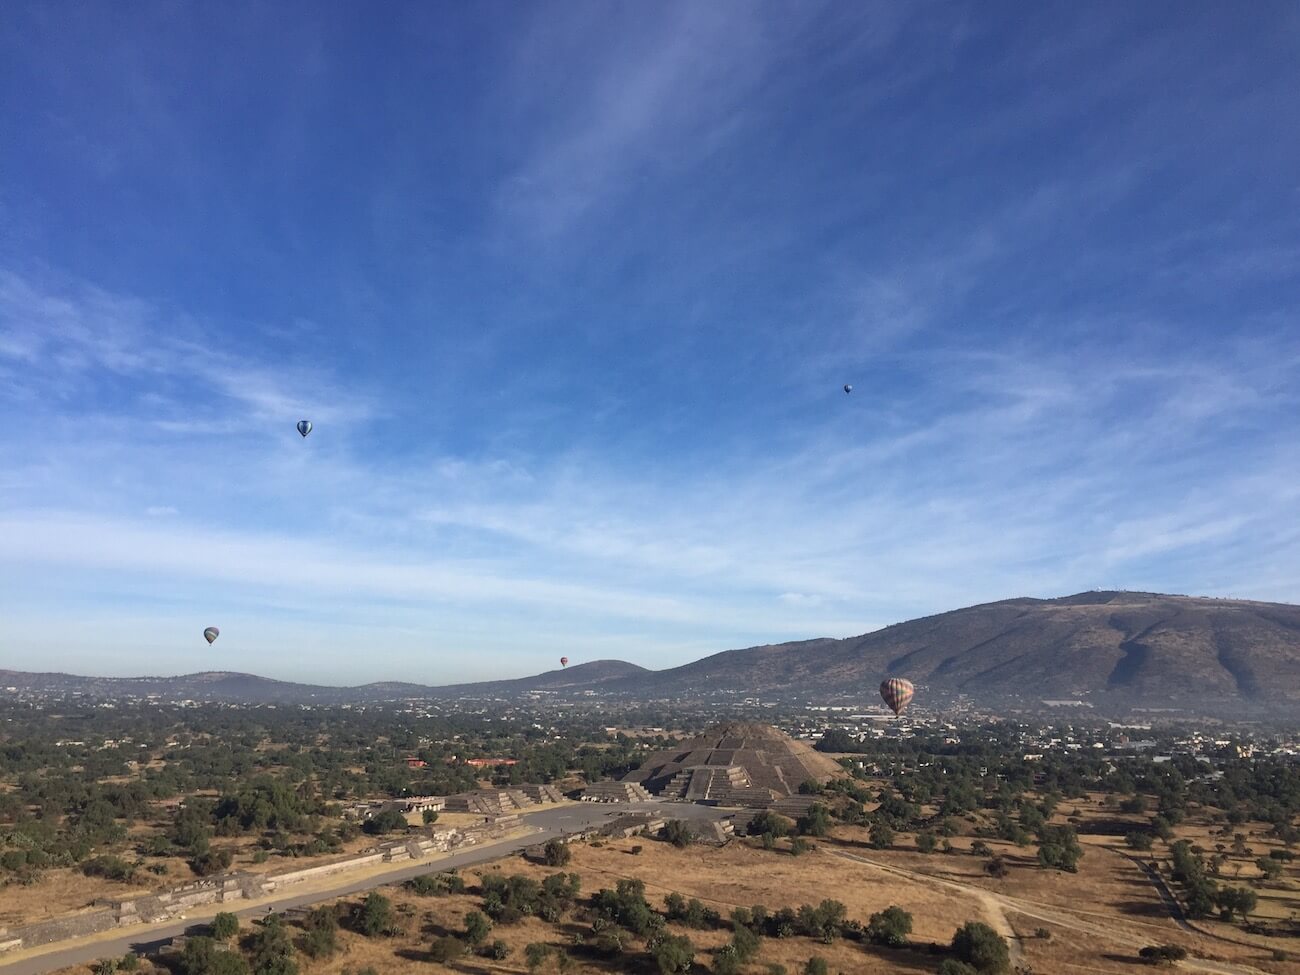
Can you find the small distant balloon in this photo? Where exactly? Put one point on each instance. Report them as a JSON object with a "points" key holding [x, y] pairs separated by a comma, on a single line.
{"points": [[304, 427], [211, 633], [848, 388], [896, 692], [564, 661]]}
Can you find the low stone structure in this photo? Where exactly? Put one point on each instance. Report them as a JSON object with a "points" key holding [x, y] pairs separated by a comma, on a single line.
{"points": [[242, 885], [499, 802], [615, 792]]}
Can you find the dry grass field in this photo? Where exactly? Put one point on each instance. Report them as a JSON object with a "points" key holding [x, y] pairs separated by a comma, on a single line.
{"points": [[1096, 919]]}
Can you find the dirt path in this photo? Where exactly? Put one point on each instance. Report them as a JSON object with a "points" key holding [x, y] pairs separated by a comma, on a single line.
{"points": [[995, 906]]}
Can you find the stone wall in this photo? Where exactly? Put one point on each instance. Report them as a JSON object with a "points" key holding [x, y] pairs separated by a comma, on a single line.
{"points": [[241, 885]]}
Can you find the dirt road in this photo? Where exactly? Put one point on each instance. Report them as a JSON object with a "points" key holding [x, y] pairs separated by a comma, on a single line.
{"points": [[995, 907]]}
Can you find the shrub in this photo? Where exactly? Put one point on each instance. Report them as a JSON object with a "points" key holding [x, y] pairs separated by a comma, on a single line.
{"points": [[1042, 934], [225, 926], [677, 833], [374, 916], [674, 953], [1139, 841], [978, 945], [200, 957], [799, 846], [535, 955], [636, 850], [110, 868], [1162, 954], [816, 822], [890, 927], [271, 951], [816, 965], [881, 836], [129, 963], [556, 854], [980, 849], [997, 867], [477, 928], [430, 816], [498, 950], [447, 949], [926, 842], [952, 966], [388, 821]]}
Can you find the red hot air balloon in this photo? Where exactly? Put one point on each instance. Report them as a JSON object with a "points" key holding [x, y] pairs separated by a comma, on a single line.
{"points": [[896, 692], [564, 661]]}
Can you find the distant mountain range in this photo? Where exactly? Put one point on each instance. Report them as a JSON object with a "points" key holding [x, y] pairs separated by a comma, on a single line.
{"points": [[1118, 649]]}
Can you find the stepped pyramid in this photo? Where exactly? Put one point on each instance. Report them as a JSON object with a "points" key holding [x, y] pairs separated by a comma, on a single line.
{"points": [[735, 764]]}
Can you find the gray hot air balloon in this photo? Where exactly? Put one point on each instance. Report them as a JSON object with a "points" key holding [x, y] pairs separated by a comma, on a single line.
{"points": [[211, 633], [304, 427], [848, 388]]}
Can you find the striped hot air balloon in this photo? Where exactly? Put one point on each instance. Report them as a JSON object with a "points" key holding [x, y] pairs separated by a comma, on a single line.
{"points": [[211, 633], [896, 692]]}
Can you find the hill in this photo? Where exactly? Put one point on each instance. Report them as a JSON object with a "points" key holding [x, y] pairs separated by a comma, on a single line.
{"points": [[1107, 648], [1104, 647]]}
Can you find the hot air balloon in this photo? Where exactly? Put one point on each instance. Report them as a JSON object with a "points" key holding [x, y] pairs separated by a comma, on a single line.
{"points": [[304, 427], [848, 388], [896, 692], [564, 661], [211, 633]]}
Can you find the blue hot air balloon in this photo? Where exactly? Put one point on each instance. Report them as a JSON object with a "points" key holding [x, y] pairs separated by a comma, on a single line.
{"points": [[304, 427], [848, 388]]}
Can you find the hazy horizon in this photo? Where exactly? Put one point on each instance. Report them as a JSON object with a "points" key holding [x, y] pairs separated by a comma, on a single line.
{"points": [[570, 294]]}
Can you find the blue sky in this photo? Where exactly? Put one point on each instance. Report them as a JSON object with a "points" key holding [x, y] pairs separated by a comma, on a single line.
{"points": [[569, 291]]}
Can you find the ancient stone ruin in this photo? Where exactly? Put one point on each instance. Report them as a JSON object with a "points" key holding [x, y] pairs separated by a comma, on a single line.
{"points": [[735, 764]]}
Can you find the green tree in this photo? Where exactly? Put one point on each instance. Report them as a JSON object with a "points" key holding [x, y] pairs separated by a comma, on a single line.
{"points": [[1271, 869], [201, 957], [430, 816], [815, 822], [881, 836], [677, 833], [374, 916], [477, 928], [498, 950], [320, 938], [926, 842], [674, 953], [1139, 841], [556, 853], [387, 821], [535, 955], [816, 965], [271, 952], [890, 927], [979, 946], [447, 949], [225, 926]]}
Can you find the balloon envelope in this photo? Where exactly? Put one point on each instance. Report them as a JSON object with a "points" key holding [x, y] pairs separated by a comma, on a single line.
{"points": [[896, 692], [211, 633], [304, 427], [848, 388], [564, 661]]}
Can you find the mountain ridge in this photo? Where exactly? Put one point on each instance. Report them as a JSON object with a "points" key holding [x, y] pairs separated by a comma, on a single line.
{"points": [[1106, 647]]}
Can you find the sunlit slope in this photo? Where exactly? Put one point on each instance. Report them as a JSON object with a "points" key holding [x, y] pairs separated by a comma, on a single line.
{"points": [[1116, 645]]}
